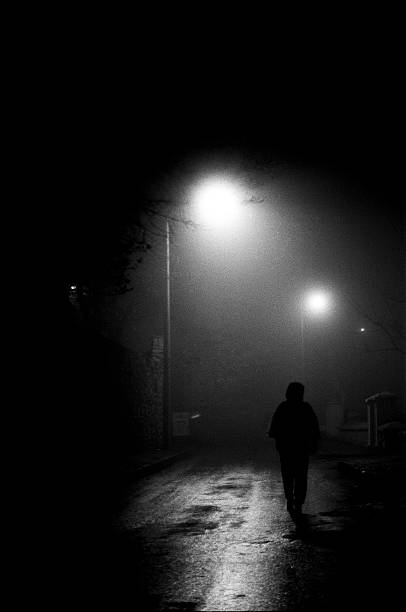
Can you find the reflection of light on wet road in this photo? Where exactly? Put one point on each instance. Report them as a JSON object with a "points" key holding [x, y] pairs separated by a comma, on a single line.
{"points": [[216, 534], [242, 579]]}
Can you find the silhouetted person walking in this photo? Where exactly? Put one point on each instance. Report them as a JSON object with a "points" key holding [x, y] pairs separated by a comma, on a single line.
{"points": [[296, 431]]}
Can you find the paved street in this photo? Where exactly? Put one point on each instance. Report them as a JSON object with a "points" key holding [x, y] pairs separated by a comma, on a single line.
{"points": [[212, 533]]}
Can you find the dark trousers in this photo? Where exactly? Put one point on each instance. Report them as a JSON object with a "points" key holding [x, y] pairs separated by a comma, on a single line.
{"points": [[294, 469]]}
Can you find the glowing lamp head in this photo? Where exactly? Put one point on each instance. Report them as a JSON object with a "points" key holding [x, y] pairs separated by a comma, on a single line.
{"points": [[317, 302], [218, 202]]}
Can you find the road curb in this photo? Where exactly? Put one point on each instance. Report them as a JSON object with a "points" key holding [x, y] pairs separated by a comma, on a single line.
{"points": [[156, 466]]}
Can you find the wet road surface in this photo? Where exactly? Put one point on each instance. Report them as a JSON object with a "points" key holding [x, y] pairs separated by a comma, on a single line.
{"points": [[212, 533]]}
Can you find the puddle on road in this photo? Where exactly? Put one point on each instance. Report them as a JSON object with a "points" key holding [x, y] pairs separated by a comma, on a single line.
{"points": [[238, 490], [197, 522], [237, 524], [203, 509], [191, 528]]}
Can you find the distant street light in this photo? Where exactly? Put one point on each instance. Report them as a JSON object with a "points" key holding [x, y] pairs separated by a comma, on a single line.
{"points": [[315, 303]]}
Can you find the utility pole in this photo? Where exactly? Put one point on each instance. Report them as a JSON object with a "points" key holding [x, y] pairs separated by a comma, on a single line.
{"points": [[302, 345], [167, 399]]}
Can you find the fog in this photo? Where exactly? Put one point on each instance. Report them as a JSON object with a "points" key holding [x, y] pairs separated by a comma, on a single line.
{"points": [[236, 295]]}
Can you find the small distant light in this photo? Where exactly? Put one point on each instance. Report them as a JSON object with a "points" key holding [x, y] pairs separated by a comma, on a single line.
{"points": [[362, 329], [73, 287]]}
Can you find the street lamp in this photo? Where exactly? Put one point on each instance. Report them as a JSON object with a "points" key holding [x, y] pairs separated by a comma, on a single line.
{"points": [[218, 202], [316, 303]]}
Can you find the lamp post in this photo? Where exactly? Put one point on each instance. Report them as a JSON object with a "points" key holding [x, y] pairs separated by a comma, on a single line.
{"points": [[316, 303], [167, 391], [302, 344], [217, 200]]}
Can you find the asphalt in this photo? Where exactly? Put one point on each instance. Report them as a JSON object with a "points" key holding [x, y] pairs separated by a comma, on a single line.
{"points": [[361, 461], [216, 535], [150, 461], [352, 459]]}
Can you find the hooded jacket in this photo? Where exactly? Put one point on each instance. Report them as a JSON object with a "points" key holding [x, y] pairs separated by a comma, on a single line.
{"points": [[294, 425]]}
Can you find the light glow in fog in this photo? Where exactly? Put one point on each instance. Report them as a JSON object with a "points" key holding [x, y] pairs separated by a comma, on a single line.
{"points": [[218, 203], [317, 302]]}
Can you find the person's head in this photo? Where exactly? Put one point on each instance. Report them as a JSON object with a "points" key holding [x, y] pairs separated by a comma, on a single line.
{"points": [[295, 392]]}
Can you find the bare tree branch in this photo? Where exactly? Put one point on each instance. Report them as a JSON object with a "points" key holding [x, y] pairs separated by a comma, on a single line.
{"points": [[379, 324]]}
